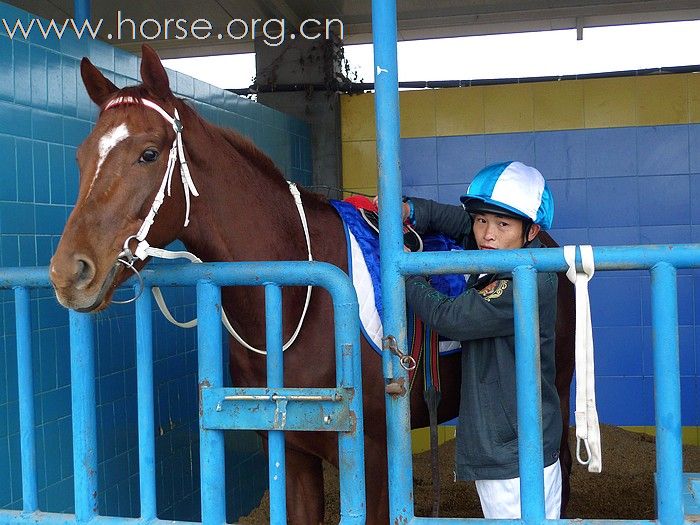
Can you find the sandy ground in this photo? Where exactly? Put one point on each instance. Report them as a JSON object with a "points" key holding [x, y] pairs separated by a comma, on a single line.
{"points": [[624, 490]]}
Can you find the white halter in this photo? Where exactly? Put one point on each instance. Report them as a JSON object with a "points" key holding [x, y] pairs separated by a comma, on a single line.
{"points": [[177, 152], [144, 250]]}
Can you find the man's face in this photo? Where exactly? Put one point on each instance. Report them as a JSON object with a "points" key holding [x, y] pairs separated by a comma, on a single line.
{"points": [[497, 232]]}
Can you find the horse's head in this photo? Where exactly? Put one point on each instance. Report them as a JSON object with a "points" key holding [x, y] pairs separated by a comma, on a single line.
{"points": [[122, 164]]}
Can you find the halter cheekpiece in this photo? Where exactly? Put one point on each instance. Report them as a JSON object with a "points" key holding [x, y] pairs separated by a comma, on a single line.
{"points": [[177, 153], [144, 250]]}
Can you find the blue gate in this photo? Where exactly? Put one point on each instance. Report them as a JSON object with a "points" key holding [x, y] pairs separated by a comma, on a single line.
{"points": [[674, 491], [274, 408]]}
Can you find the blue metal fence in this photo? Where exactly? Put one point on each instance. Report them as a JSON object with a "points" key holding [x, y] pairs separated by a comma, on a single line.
{"points": [[661, 261], [274, 408]]}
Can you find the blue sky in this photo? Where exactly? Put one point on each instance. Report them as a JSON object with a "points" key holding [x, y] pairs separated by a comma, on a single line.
{"points": [[603, 49]]}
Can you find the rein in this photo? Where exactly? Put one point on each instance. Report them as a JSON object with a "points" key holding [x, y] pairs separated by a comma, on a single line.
{"points": [[144, 250]]}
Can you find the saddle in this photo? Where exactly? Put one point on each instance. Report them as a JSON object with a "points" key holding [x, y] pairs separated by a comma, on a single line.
{"points": [[369, 212]]}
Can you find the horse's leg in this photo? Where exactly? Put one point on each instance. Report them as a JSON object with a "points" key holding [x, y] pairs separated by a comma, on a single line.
{"points": [[565, 461], [376, 476], [305, 503]]}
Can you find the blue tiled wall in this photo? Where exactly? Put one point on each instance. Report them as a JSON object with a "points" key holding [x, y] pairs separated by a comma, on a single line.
{"points": [[633, 185], [44, 115]]}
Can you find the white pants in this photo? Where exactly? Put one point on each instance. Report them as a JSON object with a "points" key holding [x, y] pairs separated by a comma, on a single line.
{"points": [[500, 498]]}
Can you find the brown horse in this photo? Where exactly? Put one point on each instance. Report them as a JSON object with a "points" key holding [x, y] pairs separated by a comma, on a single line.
{"points": [[244, 212]]}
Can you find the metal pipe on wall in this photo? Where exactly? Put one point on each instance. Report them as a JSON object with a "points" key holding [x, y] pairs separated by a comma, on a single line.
{"points": [[81, 11]]}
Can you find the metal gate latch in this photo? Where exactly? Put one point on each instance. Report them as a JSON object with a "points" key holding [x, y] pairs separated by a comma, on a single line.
{"points": [[227, 412]]}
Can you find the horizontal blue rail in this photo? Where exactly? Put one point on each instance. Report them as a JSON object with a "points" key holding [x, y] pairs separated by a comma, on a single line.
{"points": [[16, 517], [642, 257], [304, 409], [48, 518]]}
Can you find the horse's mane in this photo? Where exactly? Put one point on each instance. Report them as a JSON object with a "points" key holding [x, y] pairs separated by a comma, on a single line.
{"points": [[258, 158], [249, 150]]}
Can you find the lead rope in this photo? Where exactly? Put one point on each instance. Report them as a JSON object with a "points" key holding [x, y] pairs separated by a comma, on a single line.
{"points": [[144, 250], [586, 415]]}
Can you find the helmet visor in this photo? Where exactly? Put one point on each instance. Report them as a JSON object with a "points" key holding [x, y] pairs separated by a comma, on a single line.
{"points": [[479, 206]]}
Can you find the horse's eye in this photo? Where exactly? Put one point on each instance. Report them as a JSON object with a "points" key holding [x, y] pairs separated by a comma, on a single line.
{"points": [[149, 155]]}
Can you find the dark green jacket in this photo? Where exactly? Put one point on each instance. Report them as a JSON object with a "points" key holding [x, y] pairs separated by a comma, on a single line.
{"points": [[487, 437]]}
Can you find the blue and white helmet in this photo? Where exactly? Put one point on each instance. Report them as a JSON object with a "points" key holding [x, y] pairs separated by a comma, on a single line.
{"points": [[511, 188]]}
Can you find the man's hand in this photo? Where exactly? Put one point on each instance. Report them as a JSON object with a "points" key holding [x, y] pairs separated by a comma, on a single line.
{"points": [[405, 208]]}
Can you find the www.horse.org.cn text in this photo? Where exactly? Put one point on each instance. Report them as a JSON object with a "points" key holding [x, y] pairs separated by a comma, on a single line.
{"points": [[273, 31]]}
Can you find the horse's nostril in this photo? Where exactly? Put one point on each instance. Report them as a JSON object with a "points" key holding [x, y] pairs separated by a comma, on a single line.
{"points": [[84, 271]]}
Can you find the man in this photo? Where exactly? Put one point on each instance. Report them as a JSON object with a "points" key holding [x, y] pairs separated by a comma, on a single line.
{"points": [[506, 205]]}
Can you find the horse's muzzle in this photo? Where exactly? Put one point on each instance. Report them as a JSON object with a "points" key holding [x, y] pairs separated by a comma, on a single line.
{"points": [[73, 286]]}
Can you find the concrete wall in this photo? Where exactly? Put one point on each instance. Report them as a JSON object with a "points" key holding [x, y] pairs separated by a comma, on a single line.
{"points": [[306, 62]]}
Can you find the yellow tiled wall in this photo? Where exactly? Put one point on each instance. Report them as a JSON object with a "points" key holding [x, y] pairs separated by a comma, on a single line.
{"points": [[509, 108]]}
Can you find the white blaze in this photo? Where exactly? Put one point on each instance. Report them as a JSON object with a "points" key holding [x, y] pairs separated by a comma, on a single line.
{"points": [[107, 142]]}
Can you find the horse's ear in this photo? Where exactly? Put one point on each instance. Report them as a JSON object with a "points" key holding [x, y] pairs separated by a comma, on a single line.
{"points": [[153, 73], [98, 87]]}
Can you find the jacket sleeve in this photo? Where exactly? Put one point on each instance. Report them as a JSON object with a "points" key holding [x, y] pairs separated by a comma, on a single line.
{"points": [[472, 314], [431, 216]]}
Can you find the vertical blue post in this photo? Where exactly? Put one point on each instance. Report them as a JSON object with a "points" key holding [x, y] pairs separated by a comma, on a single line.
{"points": [[275, 379], [387, 121], [390, 241], [144, 388], [211, 375], [351, 445], [23, 326], [528, 394], [82, 370], [81, 10], [667, 394]]}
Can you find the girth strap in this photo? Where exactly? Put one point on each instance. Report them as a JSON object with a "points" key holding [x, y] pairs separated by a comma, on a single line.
{"points": [[425, 349]]}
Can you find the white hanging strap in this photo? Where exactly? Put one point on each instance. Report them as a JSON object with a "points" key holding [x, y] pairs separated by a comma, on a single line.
{"points": [[586, 415], [187, 182], [160, 301], [167, 254], [300, 208], [144, 250]]}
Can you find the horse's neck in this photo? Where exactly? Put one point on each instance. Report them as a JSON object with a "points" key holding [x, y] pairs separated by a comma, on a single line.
{"points": [[242, 212], [243, 226]]}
